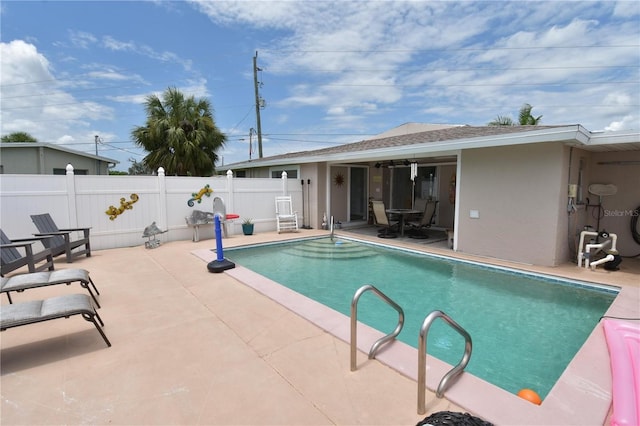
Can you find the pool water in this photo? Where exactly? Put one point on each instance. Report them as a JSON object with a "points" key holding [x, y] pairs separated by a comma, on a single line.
{"points": [[525, 328]]}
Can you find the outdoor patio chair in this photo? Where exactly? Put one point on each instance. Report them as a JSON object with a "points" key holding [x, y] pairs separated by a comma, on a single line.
{"points": [[36, 311], [24, 282], [13, 259], [60, 241], [388, 229], [286, 218], [418, 228]]}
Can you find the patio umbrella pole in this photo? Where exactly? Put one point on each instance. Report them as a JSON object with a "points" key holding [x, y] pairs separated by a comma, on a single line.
{"points": [[413, 196]]}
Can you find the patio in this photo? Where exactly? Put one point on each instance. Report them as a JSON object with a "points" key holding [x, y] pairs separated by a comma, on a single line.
{"points": [[191, 347]]}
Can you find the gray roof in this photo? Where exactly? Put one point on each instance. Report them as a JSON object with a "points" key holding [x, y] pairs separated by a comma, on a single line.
{"points": [[449, 134]]}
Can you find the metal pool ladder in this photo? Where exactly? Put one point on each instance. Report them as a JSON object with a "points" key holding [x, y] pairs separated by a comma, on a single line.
{"points": [[422, 357], [354, 323], [422, 343]]}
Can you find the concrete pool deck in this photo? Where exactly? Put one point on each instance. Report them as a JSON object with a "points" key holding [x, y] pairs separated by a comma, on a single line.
{"points": [[191, 347]]}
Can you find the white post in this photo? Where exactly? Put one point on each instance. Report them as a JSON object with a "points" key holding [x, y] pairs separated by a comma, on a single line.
{"points": [[284, 183], [231, 191], [72, 203], [162, 198], [230, 203]]}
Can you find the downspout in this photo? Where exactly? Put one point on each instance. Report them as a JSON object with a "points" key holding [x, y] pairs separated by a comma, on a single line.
{"points": [[456, 206], [328, 190], [570, 247]]}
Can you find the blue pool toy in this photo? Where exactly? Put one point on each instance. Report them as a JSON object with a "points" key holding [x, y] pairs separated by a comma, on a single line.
{"points": [[220, 264]]}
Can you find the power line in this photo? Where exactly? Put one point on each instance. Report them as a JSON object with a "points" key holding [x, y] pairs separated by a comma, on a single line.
{"points": [[416, 68], [458, 49]]}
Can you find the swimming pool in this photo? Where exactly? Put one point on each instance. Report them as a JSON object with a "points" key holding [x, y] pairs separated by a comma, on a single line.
{"points": [[525, 328]]}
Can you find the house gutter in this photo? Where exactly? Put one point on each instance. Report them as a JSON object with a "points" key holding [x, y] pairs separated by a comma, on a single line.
{"points": [[611, 138]]}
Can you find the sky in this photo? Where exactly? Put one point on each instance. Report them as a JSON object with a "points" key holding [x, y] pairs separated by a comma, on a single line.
{"points": [[331, 72]]}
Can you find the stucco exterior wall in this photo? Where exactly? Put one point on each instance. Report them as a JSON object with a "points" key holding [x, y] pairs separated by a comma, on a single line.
{"points": [[20, 161], [43, 160], [59, 160], [509, 198]]}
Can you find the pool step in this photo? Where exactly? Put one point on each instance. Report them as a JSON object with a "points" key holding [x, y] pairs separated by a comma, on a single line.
{"points": [[330, 249]]}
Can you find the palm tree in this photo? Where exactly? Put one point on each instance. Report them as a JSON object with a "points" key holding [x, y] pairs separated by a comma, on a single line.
{"points": [[180, 135], [524, 118], [501, 121]]}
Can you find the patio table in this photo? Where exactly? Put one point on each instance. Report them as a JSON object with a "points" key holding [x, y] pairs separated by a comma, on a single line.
{"points": [[403, 213]]}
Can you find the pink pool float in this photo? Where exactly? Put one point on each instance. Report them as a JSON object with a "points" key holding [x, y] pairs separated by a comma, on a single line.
{"points": [[623, 341]]}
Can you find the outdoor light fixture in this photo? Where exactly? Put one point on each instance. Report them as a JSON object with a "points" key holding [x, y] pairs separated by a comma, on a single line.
{"points": [[391, 164]]}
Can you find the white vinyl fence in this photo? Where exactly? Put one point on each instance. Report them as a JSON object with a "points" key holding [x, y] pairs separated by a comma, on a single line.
{"points": [[83, 201]]}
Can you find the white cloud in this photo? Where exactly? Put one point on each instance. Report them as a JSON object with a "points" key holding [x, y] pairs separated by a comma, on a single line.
{"points": [[26, 75], [328, 65], [379, 53], [82, 39], [628, 122], [111, 43]]}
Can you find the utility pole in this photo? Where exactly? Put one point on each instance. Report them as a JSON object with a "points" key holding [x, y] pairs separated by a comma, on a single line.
{"points": [[258, 102], [251, 130], [97, 139]]}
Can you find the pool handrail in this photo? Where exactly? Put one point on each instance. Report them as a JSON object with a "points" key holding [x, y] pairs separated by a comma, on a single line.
{"points": [[422, 357], [354, 323]]}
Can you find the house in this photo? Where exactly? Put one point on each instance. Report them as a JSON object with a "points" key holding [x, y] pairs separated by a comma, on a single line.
{"points": [[47, 159], [518, 193]]}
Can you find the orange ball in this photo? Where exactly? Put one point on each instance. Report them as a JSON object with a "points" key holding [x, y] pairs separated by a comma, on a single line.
{"points": [[530, 396]]}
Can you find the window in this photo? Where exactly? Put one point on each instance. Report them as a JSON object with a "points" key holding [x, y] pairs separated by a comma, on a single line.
{"points": [[75, 171], [276, 172]]}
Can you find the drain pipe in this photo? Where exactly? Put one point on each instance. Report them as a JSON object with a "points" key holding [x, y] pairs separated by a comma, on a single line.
{"points": [[586, 254], [607, 258]]}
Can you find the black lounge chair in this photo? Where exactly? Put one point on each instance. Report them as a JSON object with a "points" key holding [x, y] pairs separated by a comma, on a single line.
{"points": [[12, 259], [60, 241], [24, 282], [36, 311]]}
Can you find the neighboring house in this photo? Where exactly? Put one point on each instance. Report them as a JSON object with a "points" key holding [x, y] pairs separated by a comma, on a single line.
{"points": [[503, 190], [49, 159]]}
